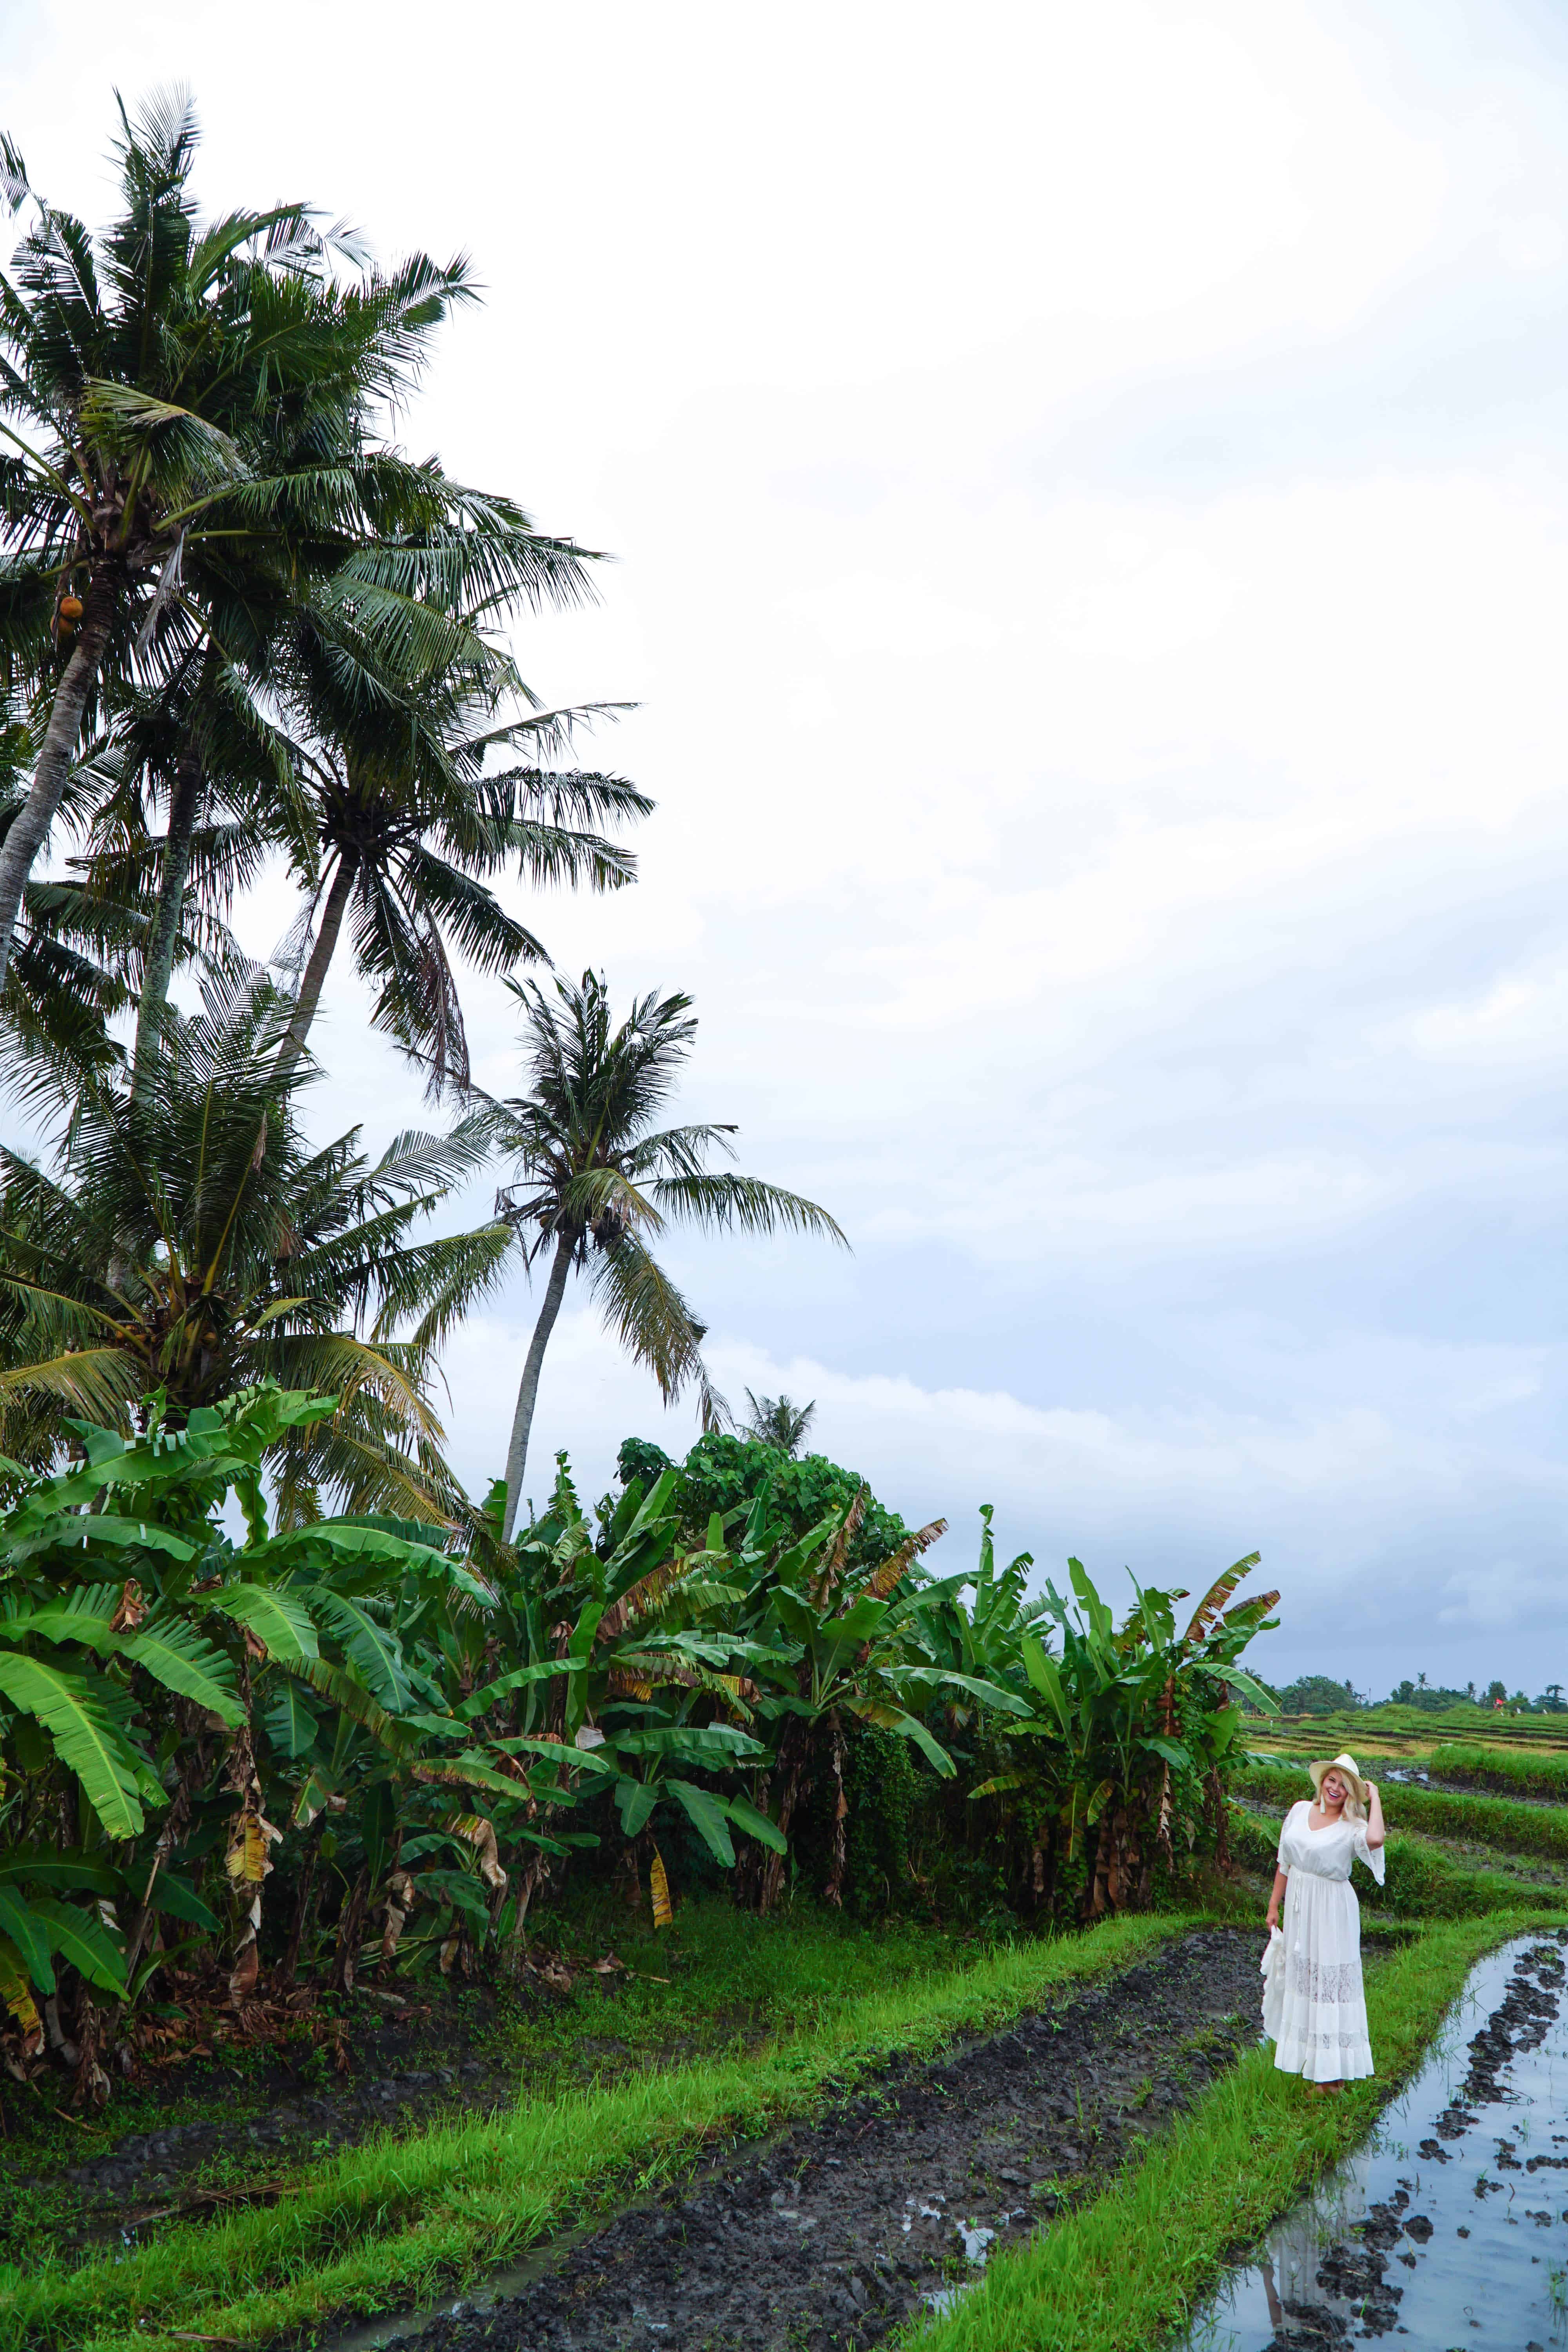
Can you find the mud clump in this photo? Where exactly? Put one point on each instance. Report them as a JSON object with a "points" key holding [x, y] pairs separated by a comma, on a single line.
{"points": [[841, 2229]]}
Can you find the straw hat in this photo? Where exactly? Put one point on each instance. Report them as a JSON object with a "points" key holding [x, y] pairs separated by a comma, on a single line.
{"points": [[1345, 1766]]}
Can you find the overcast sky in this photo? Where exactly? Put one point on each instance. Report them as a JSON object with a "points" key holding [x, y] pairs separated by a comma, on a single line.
{"points": [[1088, 497]]}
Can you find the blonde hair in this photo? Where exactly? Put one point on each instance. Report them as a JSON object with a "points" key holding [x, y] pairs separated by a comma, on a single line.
{"points": [[1353, 1808]]}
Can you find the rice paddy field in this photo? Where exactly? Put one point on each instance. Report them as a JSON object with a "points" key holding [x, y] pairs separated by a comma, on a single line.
{"points": [[812, 2135]]}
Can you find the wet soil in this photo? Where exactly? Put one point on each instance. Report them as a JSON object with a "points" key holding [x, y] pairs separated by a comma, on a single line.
{"points": [[841, 2229], [205, 2136], [211, 2137]]}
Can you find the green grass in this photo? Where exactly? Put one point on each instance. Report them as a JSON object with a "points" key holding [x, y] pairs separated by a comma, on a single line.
{"points": [[1408, 1725], [1490, 1768], [1420, 1882], [716, 1986], [1483, 1722], [1507, 1827], [1126, 2272], [392, 2222]]}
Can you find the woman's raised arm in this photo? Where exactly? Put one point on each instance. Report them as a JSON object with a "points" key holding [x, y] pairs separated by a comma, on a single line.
{"points": [[1375, 1833]]}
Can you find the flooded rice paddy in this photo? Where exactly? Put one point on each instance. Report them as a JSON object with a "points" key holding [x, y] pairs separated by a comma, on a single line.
{"points": [[1450, 2228]]}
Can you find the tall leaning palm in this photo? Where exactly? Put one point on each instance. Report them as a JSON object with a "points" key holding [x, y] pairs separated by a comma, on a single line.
{"points": [[137, 372], [597, 1179], [189, 416]]}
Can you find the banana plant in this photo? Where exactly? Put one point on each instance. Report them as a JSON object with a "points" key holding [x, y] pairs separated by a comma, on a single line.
{"points": [[829, 1640], [1130, 1723], [183, 1694], [622, 1681]]}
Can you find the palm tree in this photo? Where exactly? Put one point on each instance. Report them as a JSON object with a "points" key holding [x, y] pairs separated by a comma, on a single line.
{"points": [[190, 412], [197, 742], [779, 1421], [597, 1179], [190, 1242], [406, 818]]}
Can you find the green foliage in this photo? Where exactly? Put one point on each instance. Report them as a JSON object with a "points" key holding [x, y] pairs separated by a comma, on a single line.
{"points": [[1129, 1730], [883, 1785], [1316, 1695], [726, 1474], [402, 1741], [1508, 1772], [778, 1420], [191, 1241], [128, 1614], [1428, 1699]]}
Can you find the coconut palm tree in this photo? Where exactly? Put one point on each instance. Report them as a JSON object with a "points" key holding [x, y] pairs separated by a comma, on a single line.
{"points": [[198, 744], [190, 1242], [597, 1181], [82, 941], [406, 816], [779, 1422], [190, 410]]}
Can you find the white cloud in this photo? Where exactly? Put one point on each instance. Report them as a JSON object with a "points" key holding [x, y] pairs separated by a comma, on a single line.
{"points": [[872, 613], [1088, 492]]}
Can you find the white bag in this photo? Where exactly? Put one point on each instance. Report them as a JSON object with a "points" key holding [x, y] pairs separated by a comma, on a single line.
{"points": [[1273, 1967]]}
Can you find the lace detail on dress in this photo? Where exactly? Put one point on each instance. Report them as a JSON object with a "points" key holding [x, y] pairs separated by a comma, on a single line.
{"points": [[1325, 1981]]}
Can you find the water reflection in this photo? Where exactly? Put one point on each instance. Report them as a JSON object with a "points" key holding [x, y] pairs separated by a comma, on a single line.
{"points": [[1450, 2226]]}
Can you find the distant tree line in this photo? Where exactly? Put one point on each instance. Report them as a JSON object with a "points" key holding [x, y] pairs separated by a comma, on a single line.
{"points": [[1320, 1695]]}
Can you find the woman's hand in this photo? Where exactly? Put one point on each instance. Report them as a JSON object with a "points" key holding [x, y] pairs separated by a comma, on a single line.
{"points": [[1271, 1917]]}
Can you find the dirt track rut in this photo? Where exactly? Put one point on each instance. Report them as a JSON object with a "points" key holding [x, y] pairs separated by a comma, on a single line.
{"points": [[840, 2230]]}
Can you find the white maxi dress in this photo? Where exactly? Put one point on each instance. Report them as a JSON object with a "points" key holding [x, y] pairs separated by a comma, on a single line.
{"points": [[1314, 2009]]}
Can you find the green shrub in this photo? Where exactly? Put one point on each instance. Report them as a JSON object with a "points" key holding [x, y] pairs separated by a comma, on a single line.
{"points": [[1316, 1695], [724, 1474]]}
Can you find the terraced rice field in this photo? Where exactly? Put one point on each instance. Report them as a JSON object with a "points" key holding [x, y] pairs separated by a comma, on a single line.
{"points": [[964, 2155]]}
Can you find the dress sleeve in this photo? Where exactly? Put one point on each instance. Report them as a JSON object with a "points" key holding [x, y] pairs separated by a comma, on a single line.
{"points": [[1284, 1833], [1373, 1855]]}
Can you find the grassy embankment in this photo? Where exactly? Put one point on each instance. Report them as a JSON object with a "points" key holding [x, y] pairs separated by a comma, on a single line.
{"points": [[392, 2223], [1499, 1823], [1408, 1731], [716, 1986], [1128, 2271], [1519, 1772]]}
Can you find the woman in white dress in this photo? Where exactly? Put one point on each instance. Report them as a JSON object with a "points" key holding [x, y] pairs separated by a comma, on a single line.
{"points": [[1314, 2009]]}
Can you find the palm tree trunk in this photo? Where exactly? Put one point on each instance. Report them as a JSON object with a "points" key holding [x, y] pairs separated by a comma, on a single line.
{"points": [[522, 1420], [184, 805], [30, 829], [159, 970], [333, 915]]}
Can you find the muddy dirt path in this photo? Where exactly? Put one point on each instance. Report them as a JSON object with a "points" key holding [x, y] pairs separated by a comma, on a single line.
{"points": [[841, 2229]]}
